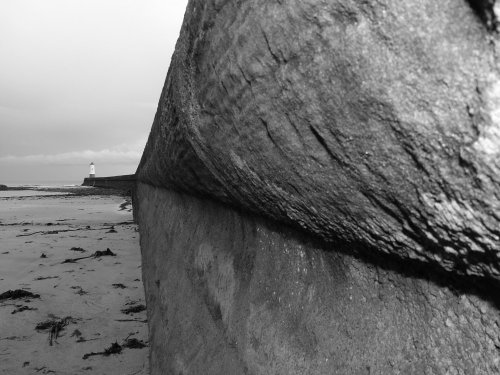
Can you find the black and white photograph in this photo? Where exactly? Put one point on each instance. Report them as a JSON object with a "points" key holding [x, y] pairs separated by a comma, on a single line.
{"points": [[249, 187]]}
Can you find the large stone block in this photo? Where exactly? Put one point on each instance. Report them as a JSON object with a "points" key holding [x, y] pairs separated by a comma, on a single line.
{"points": [[370, 122], [231, 294], [320, 191]]}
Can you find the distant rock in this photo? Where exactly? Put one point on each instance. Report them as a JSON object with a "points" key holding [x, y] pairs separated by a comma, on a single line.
{"points": [[3, 187]]}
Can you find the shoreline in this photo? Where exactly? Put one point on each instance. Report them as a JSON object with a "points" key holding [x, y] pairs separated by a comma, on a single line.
{"points": [[77, 190]]}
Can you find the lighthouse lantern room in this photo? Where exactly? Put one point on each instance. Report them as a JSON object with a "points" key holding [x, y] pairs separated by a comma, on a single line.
{"points": [[92, 170]]}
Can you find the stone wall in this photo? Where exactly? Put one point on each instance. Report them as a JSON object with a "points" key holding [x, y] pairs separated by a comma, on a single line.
{"points": [[320, 191], [370, 122], [125, 182], [228, 293]]}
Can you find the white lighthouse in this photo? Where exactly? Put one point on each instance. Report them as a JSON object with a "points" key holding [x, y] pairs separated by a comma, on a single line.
{"points": [[92, 170]]}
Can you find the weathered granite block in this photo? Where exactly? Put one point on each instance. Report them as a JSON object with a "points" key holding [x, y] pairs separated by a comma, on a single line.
{"points": [[368, 132], [370, 122], [231, 294]]}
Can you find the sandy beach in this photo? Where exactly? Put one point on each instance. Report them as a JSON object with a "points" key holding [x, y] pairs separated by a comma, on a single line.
{"points": [[71, 293]]}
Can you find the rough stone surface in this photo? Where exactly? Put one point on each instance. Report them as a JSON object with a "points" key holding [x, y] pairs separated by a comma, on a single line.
{"points": [[231, 294], [371, 123], [368, 133]]}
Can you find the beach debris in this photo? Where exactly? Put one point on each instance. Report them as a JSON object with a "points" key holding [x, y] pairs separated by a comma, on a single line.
{"points": [[23, 308], [6, 252], [134, 343], [119, 286], [74, 260], [127, 205], [17, 294], [112, 230], [25, 364], [115, 348], [46, 278], [97, 254], [54, 326], [134, 309], [107, 252], [125, 223], [30, 234], [43, 255], [50, 231], [81, 250]]}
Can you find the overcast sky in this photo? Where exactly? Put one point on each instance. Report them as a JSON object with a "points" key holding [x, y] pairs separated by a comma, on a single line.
{"points": [[80, 81]]}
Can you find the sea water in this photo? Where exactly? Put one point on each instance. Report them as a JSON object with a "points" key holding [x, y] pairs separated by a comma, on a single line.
{"points": [[31, 189]]}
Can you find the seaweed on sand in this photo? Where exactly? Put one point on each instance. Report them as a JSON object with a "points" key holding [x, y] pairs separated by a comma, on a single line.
{"points": [[134, 343], [17, 294], [46, 278], [107, 252], [23, 308], [79, 249], [97, 254], [54, 326], [115, 348], [134, 309]]}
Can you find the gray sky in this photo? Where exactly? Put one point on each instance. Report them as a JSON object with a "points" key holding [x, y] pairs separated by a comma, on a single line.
{"points": [[79, 82]]}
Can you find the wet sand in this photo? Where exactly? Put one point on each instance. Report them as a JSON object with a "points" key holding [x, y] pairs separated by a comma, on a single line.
{"points": [[82, 304]]}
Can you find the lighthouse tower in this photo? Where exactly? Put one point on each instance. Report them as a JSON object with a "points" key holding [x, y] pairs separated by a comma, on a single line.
{"points": [[92, 170]]}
